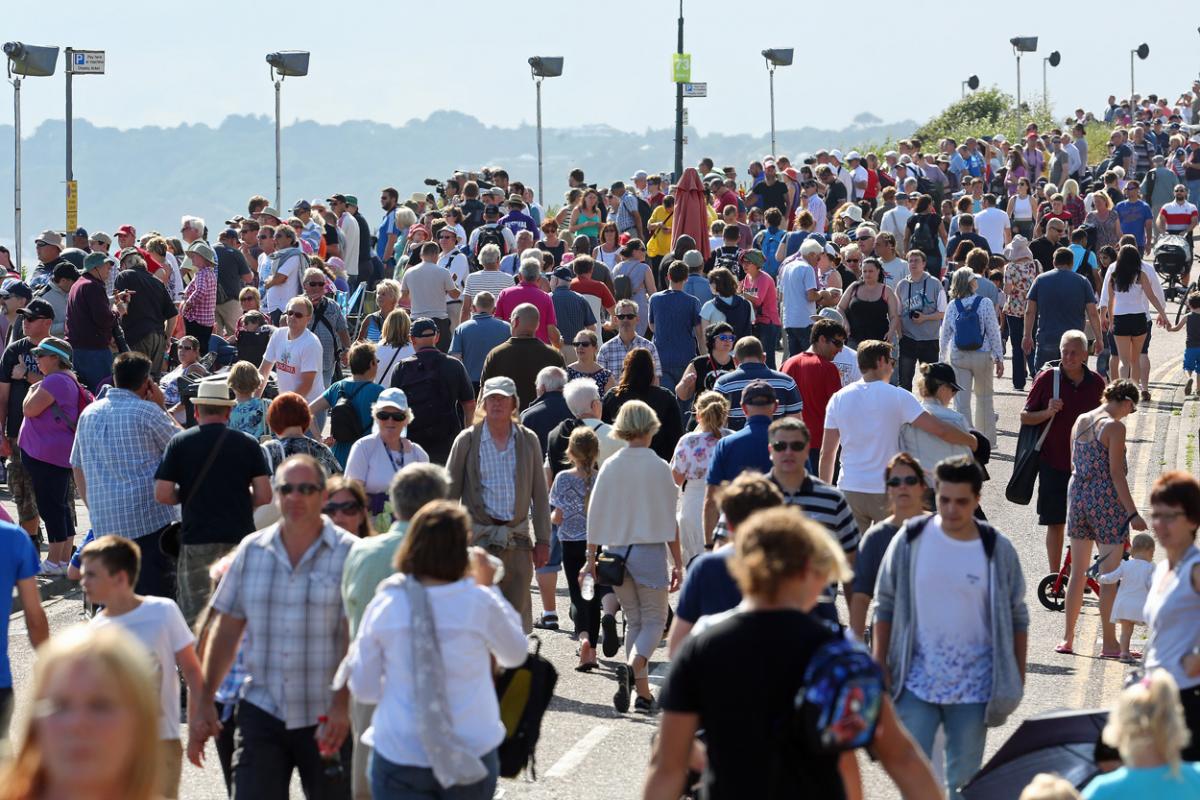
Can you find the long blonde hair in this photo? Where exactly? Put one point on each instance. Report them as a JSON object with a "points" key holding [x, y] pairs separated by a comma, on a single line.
{"points": [[124, 661], [1149, 715]]}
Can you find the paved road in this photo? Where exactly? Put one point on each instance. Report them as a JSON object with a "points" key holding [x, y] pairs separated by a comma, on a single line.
{"points": [[589, 752]]}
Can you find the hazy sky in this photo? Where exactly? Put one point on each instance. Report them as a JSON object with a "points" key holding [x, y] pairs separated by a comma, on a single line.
{"points": [[172, 62]]}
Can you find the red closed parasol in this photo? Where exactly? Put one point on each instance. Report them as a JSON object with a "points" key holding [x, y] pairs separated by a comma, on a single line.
{"points": [[691, 211]]}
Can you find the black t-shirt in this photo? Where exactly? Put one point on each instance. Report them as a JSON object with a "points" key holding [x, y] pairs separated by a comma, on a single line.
{"points": [[150, 305], [708, 370], [231, 266], [19, 352], [746, 720], [835, 195], [772, 196], [434, 430], [221, 511], [665, 406], [1042, 250]]}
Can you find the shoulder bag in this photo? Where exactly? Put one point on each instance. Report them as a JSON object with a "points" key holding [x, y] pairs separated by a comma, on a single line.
{"points": [[1028, 455], [610, 567], [171, 540]]}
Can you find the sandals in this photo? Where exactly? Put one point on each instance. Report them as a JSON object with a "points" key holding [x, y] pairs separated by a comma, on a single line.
{"points": [[548, 621], [1064, 649], [587, 666]]}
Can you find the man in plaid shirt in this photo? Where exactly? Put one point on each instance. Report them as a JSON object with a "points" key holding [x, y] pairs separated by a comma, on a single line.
{"points": [[200, 299], [283, 591], [612, 353]]}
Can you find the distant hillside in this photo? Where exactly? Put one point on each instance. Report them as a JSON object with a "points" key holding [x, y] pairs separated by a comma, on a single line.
{"points": [[150, 176]]}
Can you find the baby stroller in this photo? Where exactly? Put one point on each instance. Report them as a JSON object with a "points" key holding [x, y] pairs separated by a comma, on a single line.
{"points": [[1172, 257]]}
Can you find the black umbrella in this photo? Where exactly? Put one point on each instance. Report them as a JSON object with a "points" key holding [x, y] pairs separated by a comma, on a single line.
{"points": [[1062, 742]]}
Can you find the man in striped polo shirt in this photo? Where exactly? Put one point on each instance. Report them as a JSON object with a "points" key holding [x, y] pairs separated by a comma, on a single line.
{"points": [[1179, 218], [749, 356]]}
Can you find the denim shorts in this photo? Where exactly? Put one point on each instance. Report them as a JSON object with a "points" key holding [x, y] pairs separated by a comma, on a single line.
{"points": [[1191, 359], [555, 560]]}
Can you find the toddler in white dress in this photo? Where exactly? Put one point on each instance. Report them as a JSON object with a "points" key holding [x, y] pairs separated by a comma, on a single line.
{"points": [[1135, 575]]}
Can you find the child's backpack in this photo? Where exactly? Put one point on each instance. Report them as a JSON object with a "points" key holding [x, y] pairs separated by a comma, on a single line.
{"points": [[837, 707], [968, 328], [524, 694]]}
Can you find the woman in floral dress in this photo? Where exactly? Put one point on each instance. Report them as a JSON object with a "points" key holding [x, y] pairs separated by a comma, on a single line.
{"points": [[1019, 273], [689, 465]]}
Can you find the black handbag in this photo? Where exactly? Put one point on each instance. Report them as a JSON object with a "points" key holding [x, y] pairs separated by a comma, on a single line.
{"points": [[610, 567], [1025, 462]]}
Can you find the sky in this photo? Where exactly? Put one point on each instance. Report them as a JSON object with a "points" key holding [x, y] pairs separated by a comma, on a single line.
{"points": [[173, 62]]}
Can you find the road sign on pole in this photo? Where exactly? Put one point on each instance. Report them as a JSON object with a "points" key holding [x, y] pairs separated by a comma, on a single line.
{"points": [[86, 62], [681, 67], [72, 205], [695, 89]]}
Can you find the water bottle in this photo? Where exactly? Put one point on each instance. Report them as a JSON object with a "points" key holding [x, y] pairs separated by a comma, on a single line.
{"points": [[587, 588], [331, 760]]}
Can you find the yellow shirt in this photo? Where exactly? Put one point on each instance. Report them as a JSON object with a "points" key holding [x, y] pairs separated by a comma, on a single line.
{"points": [[660, 242]]}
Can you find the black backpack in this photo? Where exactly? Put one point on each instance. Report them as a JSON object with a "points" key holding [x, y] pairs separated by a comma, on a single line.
{"points": [[345, 424], [524, 693], [490, 234], [434, 415], [644, 211]]}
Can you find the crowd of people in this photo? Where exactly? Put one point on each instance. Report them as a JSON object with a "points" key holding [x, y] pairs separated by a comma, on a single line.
{"points": [[326, 466]]}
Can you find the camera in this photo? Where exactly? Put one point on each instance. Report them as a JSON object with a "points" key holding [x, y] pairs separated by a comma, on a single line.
{"points": [[437, 185], [914, 314]]}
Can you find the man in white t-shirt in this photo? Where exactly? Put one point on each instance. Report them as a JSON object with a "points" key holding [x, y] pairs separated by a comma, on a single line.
{"points": [[295, 353], [866, 449], [425, 288], [993, 224], [347, 226], [896, 220], [110, 570], [894, 267]]}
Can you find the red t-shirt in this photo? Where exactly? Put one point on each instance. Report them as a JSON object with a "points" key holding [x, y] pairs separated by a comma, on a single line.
{"points": [[594, 288], [1077, 399], [817, 380]]}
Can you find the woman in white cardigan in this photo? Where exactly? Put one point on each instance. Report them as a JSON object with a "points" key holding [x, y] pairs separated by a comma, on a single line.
{"points": [[631, 513]]}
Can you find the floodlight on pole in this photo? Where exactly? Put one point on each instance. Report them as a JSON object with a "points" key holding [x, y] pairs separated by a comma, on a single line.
{"points": [[776, 57], [1053, 60], [971, 83], [542, 67], [285, 64], [1022, 44], [1141, 51], [30, 61]]}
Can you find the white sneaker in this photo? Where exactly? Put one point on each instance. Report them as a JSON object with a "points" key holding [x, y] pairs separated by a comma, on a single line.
{"points": [[53, 568]]}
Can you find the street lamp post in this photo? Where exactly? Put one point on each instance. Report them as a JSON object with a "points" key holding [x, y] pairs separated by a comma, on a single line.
{"points": [[1141, 51], [31, 61], [1053, 60], [679, 107], [971, 83], [1022, 44], [777, 57], [286, 63], [543, 67]]}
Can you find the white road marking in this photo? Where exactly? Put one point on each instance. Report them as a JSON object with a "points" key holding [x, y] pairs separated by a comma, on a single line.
{"points": [[578, 752]]}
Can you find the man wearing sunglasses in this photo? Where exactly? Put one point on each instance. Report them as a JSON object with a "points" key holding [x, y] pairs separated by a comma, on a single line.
{"points": [[295, 353], [282, 593]]}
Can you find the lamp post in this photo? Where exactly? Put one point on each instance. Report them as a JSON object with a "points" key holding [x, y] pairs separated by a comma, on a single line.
{"points": [[777, 57], [679, 107], [1022, 44], [31, 61], [1053, 60], [543, 67], [971, 83], [286, 63], [1141, 51]]}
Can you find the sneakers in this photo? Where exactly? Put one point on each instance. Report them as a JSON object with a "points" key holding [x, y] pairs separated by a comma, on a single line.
{"points": [[644, 705], [624, 679], [610, 643], [52, 568], [548, 621]]}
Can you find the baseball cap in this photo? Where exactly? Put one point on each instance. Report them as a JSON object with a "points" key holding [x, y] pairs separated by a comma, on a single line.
{"points": [[758, 393], [101, 237], [81, 232], [491, 210], [302, 205], [351, 200], [422, 327], [693, 259], [341, 198], [901, 195], [236, 220], [396, 398], [51, 238], [37, 309], [97, 260], [830, 313], [943, 373], [499, 385], [230, 233], [126, 230], [853, 156], [52, 346], [791, 173], [564, 273], [16, 289]]}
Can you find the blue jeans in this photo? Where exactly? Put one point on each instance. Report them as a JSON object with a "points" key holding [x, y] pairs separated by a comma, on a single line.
{"points": [[555, 560], [769, 336], [798, 340], [965, 730], [93, 366], [397, 782], [1022, 365]]}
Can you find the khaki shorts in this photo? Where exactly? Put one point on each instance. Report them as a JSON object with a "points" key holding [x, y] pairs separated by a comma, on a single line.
{"points": [[192, 582], [170, 753]]}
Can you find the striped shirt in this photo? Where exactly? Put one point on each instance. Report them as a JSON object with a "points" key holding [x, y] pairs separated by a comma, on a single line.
{"points": [[827, 505], [295, 623], [612, 353], [1178, 217], [487, 280], [732, 383]]}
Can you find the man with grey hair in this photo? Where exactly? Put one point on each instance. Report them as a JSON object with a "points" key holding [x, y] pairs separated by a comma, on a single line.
{"points": [[798, 285], [191, 229], [488, 278], [523, 356], [426, 287], [367, 565], [478, 336], [529, 291], [550, 407], [583, 401]]}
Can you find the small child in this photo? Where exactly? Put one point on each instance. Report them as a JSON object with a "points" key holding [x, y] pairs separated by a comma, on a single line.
{"points": [[1191, 352], [110, 571], [250, 414], [1135, 576], [569, 498]]}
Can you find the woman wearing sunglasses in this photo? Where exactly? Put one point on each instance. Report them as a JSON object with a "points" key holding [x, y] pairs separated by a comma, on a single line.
{"points": [[906, 487], [701, 375], [586, 345], [347, 506], [378, 456]]}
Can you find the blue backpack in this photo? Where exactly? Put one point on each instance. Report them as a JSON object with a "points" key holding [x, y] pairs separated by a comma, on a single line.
{"points": [[837, 708], [770, 246], [968, 328]]}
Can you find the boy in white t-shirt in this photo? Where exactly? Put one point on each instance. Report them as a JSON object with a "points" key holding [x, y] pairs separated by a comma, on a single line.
{"points": [[110, 570]]}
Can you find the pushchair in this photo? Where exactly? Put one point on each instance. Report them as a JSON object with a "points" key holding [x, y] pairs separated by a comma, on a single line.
{"points": [[1172, 257]]}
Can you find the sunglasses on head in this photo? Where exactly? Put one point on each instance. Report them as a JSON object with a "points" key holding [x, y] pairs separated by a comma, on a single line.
{"points": [[795, 447], [305, 489], [348, 507], [394, 416], [626, 316], [907, 480]]}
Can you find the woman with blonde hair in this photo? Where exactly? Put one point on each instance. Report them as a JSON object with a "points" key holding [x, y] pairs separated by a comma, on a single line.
{"points": [[93, 732], [570, 495], [689, 466], [632, 515], [1148, 730], [1045, 786], [387, 296], [394, 345]]}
